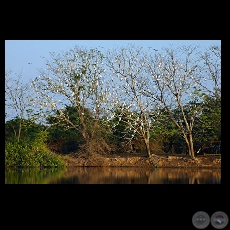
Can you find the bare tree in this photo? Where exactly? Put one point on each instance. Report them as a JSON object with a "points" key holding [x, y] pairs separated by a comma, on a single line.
{"points": [[174, 81], [127, 80], [17, 101], [73, 78], [211, 71]]}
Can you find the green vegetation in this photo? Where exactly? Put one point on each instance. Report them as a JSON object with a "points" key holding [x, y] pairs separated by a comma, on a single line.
{"points": [[31, 149]]}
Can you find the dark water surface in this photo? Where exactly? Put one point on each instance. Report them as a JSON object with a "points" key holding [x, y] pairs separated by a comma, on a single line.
{"points": [[112, 175]]}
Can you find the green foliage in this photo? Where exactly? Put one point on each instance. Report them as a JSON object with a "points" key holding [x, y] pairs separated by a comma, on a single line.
{"points": [[121, 124], [166, 131], [62, 129], [25, 129], [208, 124], [68, 135], [30, 155], [66, 138], [29, 150]]}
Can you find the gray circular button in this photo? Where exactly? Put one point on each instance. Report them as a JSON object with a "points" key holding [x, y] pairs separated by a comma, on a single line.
{"points": [[201, 220], [219, 220]]}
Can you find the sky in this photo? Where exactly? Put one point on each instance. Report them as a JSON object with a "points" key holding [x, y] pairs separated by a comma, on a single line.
{"points": [[26, 56]]}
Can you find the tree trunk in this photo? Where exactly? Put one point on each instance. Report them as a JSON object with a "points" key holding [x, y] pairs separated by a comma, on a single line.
{"points": [[19, 131], [191, 146], [147, 147], [190, 149]]}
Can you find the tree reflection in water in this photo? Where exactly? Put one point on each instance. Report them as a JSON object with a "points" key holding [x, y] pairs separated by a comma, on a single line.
{"points": [[113, 175]]}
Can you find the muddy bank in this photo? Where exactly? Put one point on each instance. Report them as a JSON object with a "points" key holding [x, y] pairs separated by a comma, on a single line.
{"points": [[213, 161]]}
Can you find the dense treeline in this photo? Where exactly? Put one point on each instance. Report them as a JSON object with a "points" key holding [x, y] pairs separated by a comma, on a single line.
{"points": [[123, 100]]}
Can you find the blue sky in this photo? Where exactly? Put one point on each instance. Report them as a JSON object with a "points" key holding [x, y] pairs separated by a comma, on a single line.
{"points": [[18, 53]]}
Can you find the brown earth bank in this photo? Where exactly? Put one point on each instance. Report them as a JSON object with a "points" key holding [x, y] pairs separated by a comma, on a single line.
{"points": [[161, 161]]}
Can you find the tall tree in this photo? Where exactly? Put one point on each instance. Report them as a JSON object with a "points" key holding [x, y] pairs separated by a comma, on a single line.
{"points": [[17, 103], [73, 79], [127, 80], [210, 70], [176, 80]]}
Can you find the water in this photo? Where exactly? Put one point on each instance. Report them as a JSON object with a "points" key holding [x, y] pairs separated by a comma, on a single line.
{"points": [[111, 175]]}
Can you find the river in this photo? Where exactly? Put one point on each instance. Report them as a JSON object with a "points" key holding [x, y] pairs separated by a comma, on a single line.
{"points": [[112, 175]]}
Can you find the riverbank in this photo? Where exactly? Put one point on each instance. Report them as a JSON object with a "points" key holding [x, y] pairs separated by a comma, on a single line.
{"points": [[161, 161]]}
